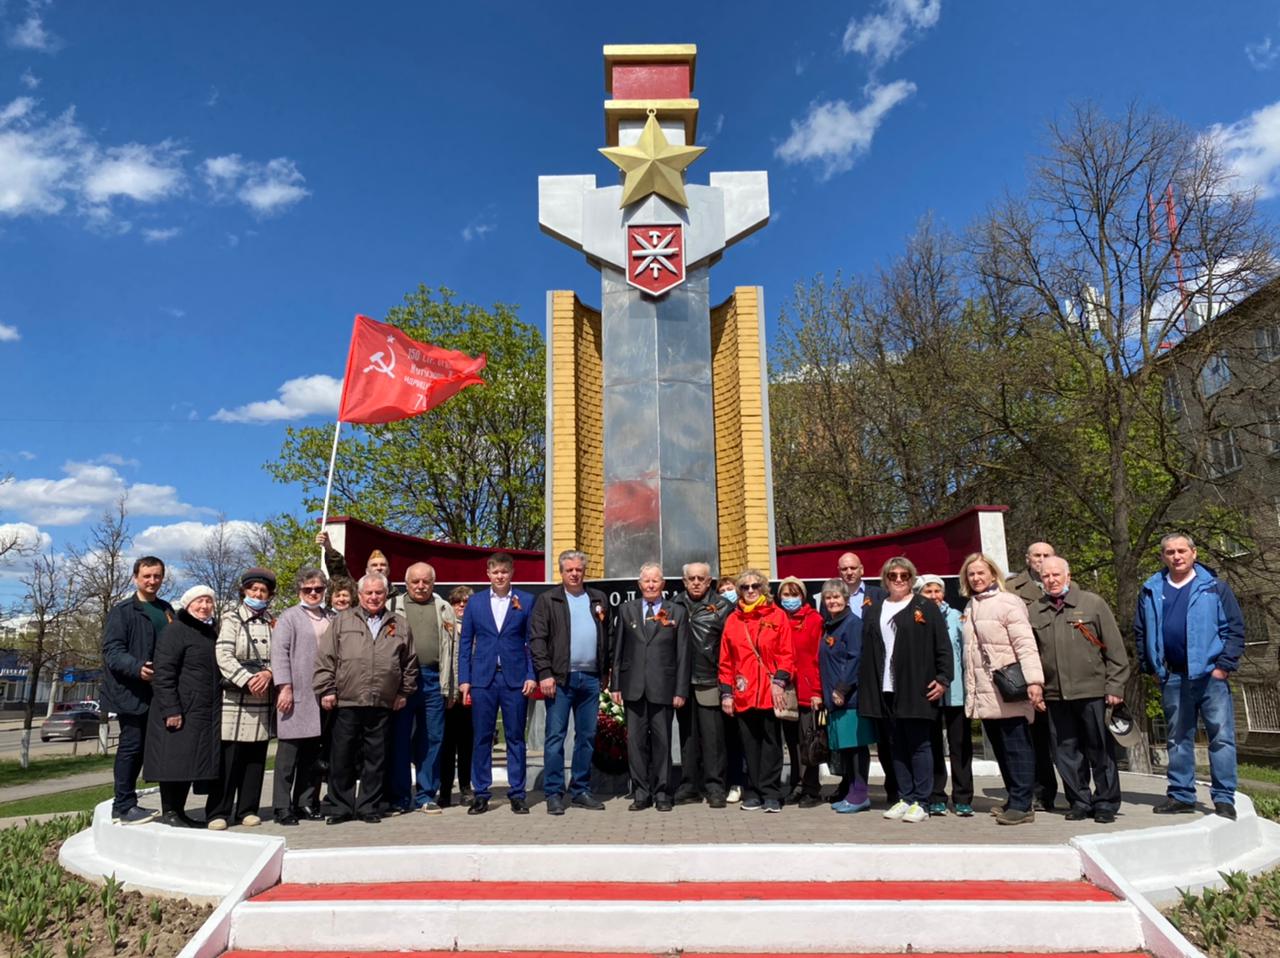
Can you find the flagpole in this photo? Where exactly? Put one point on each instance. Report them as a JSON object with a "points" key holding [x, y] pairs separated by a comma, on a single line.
{"points": [[328, 489]]}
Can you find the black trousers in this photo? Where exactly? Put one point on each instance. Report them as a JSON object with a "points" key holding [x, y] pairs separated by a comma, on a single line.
{"points": [[735, 775], [913, 759], [296, 783], [1011, 741], [238, 790], [649, 749], [1046, 787], [702, 749], [884, 752], [1083, 749], [762, 746], [358, 753], [455, 752], [128, 765], [951, 735], [173, 797]]}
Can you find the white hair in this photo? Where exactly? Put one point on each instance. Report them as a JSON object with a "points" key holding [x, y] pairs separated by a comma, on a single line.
{"points": [[373, 577]]}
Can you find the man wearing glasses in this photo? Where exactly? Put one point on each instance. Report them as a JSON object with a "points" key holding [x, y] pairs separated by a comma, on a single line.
{"points": [[652, 665], [703, 759]]}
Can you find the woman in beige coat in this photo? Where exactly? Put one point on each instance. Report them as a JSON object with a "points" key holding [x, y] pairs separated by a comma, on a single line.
{"points": [[244, 659], [998, 634]]}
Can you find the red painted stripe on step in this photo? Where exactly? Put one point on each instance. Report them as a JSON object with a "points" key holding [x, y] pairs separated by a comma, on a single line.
{"points": [[1060, 891], [594, 954]]}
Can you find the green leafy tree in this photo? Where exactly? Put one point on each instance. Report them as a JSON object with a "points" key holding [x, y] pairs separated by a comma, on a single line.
{"points": [[470, 470]]}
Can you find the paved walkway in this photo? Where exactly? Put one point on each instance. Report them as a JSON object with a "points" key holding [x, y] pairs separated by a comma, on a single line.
{"points": [[698, 824]]}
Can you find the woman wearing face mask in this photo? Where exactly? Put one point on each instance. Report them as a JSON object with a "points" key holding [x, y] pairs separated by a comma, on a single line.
{"points": [[183, 744], [295, 790], [905, 671], [952, 726], [728, 587], [244, 658], [806, 632]]}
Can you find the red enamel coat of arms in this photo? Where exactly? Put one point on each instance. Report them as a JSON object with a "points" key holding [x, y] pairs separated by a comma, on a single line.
{"points": [[655, 257]]}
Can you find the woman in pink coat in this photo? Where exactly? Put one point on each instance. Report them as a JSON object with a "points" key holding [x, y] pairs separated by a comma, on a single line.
{"points": [[997, 634]]}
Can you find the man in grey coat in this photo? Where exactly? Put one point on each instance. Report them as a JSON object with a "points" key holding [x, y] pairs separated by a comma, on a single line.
{"points": [[1085, 670]]}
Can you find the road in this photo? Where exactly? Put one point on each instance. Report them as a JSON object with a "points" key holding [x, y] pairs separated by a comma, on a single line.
{"points": [[11, 742]]}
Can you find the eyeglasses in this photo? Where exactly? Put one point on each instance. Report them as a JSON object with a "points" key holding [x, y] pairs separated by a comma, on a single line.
{"points": [[312, 589], [898, 576], [751, 586]]}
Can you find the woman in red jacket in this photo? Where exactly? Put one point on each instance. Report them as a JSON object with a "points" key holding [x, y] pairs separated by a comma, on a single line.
{"points": [[806, 633], [756, 664]]}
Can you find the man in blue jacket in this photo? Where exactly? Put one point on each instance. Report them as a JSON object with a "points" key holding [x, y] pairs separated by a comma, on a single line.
{"points": [[1190, 634], [128, 646], [496, 670]]}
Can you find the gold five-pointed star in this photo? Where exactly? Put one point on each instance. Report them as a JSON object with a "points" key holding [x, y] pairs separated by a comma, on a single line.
{"points": [[653, 165]]}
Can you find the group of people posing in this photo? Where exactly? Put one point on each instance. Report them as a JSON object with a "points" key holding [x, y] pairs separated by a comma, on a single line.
{"points": [[382, 697]]}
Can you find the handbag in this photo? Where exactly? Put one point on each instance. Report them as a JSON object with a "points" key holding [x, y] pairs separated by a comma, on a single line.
{"points": [[1010, 683], [814, 747]]}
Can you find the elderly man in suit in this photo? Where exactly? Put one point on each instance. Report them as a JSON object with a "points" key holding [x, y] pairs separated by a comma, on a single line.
{"points": [[652, 666], [496, 670]]}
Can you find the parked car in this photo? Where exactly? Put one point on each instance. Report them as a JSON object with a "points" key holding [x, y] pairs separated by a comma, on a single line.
{"points": [[74, 725]]}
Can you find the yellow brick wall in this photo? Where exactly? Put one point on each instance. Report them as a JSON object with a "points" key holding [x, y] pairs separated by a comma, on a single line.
{"points": [[576, 456], [737, 367]]}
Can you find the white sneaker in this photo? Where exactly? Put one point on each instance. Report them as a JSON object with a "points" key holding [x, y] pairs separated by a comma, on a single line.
{"points": [[916, 813], [734, 796], [216, 825], [897, 811], [251, 821]]}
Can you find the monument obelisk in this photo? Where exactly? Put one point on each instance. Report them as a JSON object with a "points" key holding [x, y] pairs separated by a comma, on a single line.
{"points": [[654, 239]]}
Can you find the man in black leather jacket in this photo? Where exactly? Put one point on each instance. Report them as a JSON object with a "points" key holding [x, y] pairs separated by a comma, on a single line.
{"points": [[702, 734]]}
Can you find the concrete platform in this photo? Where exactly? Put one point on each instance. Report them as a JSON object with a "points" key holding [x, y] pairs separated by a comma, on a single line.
{"points": [[698, 824]]}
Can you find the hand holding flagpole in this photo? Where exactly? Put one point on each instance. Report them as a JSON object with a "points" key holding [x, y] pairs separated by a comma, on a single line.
{"points": [[391, 377]]}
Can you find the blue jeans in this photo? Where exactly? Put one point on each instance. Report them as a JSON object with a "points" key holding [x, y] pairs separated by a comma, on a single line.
{"points": [[582, 696], [1210, 699], [416, 736]]}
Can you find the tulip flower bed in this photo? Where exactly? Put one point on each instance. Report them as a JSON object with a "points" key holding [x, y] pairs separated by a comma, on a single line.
{"points": [[1241, 920]]}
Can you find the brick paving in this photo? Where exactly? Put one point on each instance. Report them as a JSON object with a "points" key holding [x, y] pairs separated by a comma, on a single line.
{"points": [[699, 824]]}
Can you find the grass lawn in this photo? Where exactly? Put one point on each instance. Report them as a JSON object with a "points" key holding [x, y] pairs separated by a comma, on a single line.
{"points": [[1259, 773], [55, 766], [76, 800]]}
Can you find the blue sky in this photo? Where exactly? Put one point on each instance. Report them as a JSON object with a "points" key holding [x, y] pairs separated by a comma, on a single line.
{"points": [[195, 199]]}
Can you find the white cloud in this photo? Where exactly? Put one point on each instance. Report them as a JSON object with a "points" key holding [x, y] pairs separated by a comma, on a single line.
{"points": [[266, 188], [115, 459], [212, 99], [299, 398], [171, 541], [142, 173], [9, 334], [31, 34], [1262, 55], [44, 163], [1252, 147], [15, 563], [173, 311], [85, 489], [835, 134], [161, 235], [887, 33], [29, 79], [26, 455], [477, 229]]}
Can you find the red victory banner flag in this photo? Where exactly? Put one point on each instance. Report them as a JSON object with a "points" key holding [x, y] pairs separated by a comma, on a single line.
{"points": [[390, 376]]}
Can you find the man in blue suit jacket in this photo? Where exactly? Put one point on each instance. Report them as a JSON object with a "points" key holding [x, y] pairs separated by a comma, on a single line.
{"points": [[496, 670]]}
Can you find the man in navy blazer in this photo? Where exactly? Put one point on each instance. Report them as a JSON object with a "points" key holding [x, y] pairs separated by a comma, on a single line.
{"points": [[496, 671]]}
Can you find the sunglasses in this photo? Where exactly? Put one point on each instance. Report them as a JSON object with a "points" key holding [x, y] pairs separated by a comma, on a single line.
{"points": [[312, 589], [751, 586], [898, 576]]}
